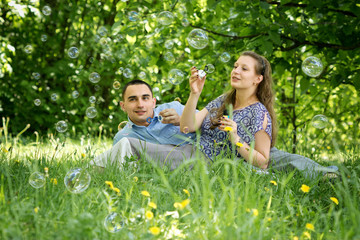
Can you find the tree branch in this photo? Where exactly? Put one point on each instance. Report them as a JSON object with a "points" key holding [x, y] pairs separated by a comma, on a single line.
{"points": [[229, 36]]}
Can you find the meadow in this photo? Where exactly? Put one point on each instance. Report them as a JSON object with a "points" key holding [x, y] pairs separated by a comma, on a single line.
{"points": [[225, 200]]}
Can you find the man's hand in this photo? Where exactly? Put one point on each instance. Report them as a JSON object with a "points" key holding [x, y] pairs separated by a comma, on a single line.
{"points": [[170, 116]]}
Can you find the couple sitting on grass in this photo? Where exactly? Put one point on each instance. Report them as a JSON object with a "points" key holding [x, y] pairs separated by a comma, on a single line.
{"points": [[248, 133]]}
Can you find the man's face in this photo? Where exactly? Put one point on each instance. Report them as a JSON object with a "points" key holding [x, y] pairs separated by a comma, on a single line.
{"points": [[138, 104]]}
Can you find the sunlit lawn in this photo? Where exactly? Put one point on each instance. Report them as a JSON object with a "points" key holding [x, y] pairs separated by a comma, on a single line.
{"points": [[226, 200]]}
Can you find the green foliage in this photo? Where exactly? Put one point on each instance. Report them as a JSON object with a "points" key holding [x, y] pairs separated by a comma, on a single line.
{"points": [[286, 32]]}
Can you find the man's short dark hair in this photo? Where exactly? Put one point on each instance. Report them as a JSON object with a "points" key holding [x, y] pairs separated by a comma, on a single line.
{"points": [[135, 82]]}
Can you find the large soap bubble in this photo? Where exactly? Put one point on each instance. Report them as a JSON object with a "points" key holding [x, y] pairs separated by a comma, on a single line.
{"points": [[176, 76], [169, 57], [169, 44], [37, 179], [128, 73], [166, 18], [209, 68], [113, 222], [94, 77], [77, 180], [312, 66], [75, 94], [198, 39], [91, 112], [61, 126], [44, 37], [37, 102], [46, 10], [116, 85], [320, 121], [28, 49], [142, 75], [133, 16], [92, 99], [73, 52], [54, 97], [225, 57]]}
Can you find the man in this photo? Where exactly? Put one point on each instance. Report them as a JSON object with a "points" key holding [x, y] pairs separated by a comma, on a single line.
{"points": [[155, 131]]}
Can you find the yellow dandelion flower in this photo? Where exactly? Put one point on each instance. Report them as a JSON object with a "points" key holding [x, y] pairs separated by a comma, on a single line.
{"points": [[110, 184], [185, 203], [305, 188], [36, 210], [309, 226], [187, 192], [152, 205], [239, 144], [46, 170], [4, 150], [228, 129], [145, 193], [255, 212], [273, 182], [149, 215], [54, 181], [136, 179], [296, 238], [328, 147], [248, 209], [266, 189], [307, 235], [177, 205], [269, 219], [154, 230], [116, 189], [83, 155], [334, 200]]}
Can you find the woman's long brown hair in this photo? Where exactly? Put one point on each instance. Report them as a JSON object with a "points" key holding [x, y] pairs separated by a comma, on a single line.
{"points": [[264, 93]]}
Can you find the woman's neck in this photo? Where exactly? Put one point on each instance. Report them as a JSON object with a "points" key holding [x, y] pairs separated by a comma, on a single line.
{"points": [[244, 99]]}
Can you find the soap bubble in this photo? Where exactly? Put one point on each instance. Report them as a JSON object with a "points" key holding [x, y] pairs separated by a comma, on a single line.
{"points": [[122, 125], [116, 85], [128, 73], [73, 52], [97, 87], [225, 57], [44, 37], [142, 75], [198, 39], [185, 22], [312, 66], [91, 112], [37, 179], [186, 130], [160, 118], [319, 121], [46, 10], [61, 126], [75, 94], [133, 16], [37, 102], [54, 97], [102, 31], [94, 77], [169, 57], [92, 99], [166, 18], [113, 222], [36, 75], [77, 180], [104, 41], [169, 44], [209, 68], [176, 76], [28, 49], [201, 73]]}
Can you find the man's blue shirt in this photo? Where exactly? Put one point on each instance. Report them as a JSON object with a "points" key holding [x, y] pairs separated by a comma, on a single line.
{"points": [[156, 132]]}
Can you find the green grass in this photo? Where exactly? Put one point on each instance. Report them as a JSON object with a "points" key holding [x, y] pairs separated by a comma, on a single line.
{"points": [[224, 198]]}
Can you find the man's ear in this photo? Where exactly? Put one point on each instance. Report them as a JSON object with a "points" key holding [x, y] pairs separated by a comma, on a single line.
{"points": [[154, 100], [122, 106]]}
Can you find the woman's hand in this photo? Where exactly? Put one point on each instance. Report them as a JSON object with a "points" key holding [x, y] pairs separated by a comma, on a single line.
{"points": [[228, 125], [196, 83]]}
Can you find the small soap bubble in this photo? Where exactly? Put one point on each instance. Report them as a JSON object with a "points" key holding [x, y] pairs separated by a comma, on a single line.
{"points": [[165, 18], [312, 66], [92, 99], [160, 118], [133, 16], [37, 102], [44, 37], [36, 75], [77, 180], [97, 87], [54, 97], [169, 57], [176, 76], [28, 49], [37, 179], [128, 73], [73, 52], [225, 57], [102, 31], [185, 22], [122, 125], [210, 68], [61, 126], [104, 41], [186, 130], [320, 121], [91, 112], [142, 75], [198, 39], [113, 222], [169, 44], [94, 77], [46, 10], [116, 85], [75, 94], [177, 99], [201, 73]]}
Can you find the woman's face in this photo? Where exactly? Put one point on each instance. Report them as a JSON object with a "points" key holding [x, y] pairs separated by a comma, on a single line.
{"points": [[243, 75]]}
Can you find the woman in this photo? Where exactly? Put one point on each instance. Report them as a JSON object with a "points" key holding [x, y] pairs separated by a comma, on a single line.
{"points": [[253, 114]]}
